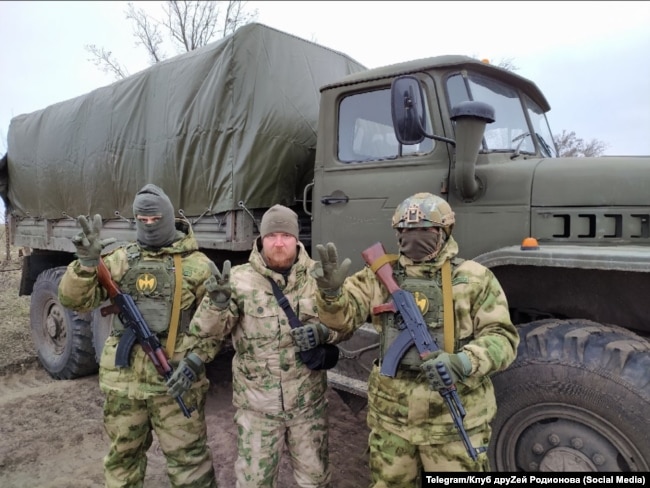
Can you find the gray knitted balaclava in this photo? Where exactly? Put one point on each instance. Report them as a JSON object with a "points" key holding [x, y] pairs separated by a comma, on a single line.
{"points": [[149, 201]]}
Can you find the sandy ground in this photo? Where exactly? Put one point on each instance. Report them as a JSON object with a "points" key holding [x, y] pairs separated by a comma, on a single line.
{"points": [[52, 432]]}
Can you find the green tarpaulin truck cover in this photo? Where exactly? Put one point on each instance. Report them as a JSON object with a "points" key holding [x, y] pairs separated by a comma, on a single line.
{"points": [[233, 121]]}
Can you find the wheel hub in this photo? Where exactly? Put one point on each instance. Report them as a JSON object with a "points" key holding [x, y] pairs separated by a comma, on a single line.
{"points": [[55, 327], [565, 445]]}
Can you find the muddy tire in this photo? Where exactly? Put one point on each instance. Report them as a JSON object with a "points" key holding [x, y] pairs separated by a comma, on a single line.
{"points": [[577, 398], [62, 338]]}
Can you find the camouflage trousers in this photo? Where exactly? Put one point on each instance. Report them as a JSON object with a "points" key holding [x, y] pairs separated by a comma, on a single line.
{"points": [[396, 463], [262, 439], [129, 423]]}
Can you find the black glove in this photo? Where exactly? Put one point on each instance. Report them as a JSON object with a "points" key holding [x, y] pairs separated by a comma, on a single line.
{"points": [[188, 371], [218, 285], [309, 336], [458, 366], [327, 272], [89, 245]]}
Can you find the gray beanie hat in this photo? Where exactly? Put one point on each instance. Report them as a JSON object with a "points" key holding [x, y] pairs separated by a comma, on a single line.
{"points": [[152, 200], [279, 219]]}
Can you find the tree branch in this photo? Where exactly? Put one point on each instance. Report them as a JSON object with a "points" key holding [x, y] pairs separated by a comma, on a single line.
{"points": [[104, 60], [189, 25]]}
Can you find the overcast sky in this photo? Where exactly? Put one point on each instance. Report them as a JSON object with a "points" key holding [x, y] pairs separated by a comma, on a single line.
{"points": [[589, 58]]}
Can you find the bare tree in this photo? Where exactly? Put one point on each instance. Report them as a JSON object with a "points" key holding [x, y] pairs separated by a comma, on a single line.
{"points": [[147, 32], [187, 24], [569, 145]]}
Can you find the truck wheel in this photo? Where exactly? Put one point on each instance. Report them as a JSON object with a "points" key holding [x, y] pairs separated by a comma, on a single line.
{"points": [[101, 329], [576, 399], [62, 338]]}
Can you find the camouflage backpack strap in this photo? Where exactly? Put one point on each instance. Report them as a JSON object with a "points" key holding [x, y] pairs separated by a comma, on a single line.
{"points": [[176, 305]]}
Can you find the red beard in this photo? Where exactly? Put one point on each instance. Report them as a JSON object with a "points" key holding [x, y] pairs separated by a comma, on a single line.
{"points": [[280, 258]]}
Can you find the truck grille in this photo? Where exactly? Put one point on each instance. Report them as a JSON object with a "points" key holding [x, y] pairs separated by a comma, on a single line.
{"points": [[631, 225]]}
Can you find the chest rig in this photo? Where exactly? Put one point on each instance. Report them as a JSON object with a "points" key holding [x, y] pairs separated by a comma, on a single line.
{"points": [[151, 284], [428, 294]]}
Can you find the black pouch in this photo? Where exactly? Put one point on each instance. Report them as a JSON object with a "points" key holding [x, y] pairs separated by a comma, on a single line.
{"points": [[323, 356]]}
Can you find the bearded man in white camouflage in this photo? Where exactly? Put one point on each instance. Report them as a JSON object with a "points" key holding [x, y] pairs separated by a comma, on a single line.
{"points": [[138, 399], [280, 401], [411, 427]]}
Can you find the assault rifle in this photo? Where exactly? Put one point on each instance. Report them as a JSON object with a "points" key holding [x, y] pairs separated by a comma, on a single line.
{"points": [[135, 329], [414, 331]]}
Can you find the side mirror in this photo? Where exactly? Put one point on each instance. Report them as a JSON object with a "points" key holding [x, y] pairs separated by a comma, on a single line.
{"points": [[407, 109]]}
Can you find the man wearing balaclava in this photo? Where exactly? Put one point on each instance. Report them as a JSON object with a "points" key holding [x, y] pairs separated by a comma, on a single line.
{"points": [[154, 218], [280, 399], [411, 429], [163, 259]]}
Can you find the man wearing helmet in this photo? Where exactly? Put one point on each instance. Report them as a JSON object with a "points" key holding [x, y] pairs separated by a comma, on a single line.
{"points": [[411, 427]]}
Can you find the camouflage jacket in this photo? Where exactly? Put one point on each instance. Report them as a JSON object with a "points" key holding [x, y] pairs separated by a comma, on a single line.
{"points": [[79, 290], [405, 405], [268, 375]]}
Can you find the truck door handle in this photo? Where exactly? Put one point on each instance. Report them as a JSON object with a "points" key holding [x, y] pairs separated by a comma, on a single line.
{"points": [[337, 197]]}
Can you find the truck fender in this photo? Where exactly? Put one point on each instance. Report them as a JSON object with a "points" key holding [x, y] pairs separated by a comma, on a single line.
{"points": [[619, 258]]}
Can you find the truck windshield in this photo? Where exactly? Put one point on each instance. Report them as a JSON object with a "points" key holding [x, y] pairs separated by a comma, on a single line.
{"points": [[366, 129], [509, 132], [542, 130]]}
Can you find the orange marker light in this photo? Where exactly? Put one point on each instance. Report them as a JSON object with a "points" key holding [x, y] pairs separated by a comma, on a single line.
{"points": [[529, 243]]}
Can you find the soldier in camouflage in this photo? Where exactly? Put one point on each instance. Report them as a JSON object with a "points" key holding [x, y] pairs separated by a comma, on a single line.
{"points": [[137, 398], [411, 427], [280, 401]]}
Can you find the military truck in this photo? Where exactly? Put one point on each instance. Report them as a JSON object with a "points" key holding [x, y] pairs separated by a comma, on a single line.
{"points": [[262, 117]]}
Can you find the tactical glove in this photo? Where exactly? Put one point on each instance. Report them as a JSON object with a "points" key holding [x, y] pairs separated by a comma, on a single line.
{"points": [[456, 368], [188, 371], [327, 272], [309, 336], [218, 285], [89, 245]]}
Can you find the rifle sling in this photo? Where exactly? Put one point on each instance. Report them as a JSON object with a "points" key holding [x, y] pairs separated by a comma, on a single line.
{"points": [[176, 306], [448, 308], [381, 260]]}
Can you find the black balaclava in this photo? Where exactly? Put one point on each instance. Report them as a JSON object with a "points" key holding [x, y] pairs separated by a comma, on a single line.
{"points": [[150, 201]]}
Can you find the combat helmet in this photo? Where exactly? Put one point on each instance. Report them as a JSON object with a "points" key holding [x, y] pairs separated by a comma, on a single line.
{"points": [[424, 210]]}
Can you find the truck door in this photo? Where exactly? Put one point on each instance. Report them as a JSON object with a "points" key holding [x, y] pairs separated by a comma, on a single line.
{"points": [[360, 177]]}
